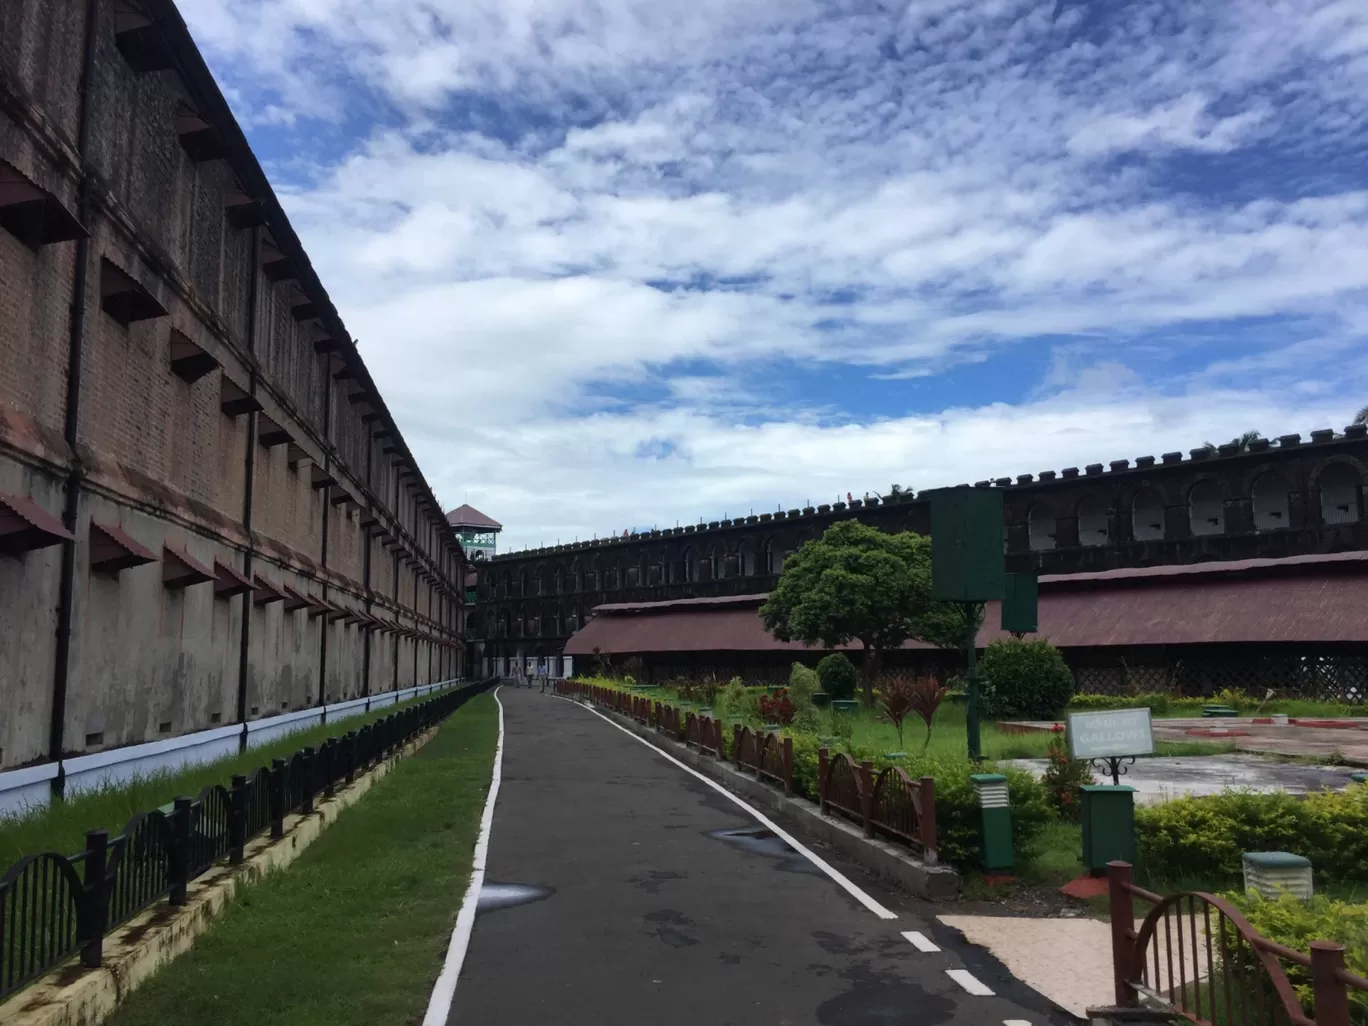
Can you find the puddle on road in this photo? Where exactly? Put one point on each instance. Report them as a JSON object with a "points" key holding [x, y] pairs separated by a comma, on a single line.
{"points": [[760, 841], [495, 895]]}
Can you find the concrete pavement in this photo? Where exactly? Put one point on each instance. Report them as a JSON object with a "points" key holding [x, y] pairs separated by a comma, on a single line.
{"points": [[622, 890]]}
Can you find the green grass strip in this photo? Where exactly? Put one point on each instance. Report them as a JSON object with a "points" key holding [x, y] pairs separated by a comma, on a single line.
{"points": [[353, 932], [61, 826]]}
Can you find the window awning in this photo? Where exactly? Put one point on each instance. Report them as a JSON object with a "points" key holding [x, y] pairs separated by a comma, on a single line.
{"points": [[271, 433], [264, 592], [124, 298], [32, 214], [181, 570], [189, 360], [25, 526], [318, 607], [230, 580], [234, 400], [294, 600], [112, 550]]}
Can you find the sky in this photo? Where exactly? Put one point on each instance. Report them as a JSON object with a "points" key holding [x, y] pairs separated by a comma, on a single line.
{"points": [[617, 264]]}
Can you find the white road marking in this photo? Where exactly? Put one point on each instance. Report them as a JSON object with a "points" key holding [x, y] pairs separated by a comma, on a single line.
{"points": [[969, 982], [920, 941], [444, 990], [1016, 1022], [859, 895]]}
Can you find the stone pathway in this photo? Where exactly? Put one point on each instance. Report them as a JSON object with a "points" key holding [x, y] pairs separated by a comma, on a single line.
{"points": [[1157, 779]]}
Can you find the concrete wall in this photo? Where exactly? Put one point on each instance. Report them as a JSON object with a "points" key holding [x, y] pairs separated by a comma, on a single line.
{"points": [[157, 456]]}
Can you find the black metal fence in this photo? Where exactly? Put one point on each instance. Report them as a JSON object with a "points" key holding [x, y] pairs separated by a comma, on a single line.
{"points": [[53, 906]]}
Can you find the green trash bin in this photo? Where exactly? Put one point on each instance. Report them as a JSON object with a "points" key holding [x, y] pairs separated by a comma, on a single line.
{"points": [[845, 705], [1108, 825]]}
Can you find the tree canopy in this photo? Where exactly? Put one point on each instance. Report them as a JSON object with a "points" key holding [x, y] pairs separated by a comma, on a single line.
{"points": [[857, 583]]}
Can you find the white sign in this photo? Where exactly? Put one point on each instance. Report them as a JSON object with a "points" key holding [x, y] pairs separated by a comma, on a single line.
{"points": [[1096, 735]]}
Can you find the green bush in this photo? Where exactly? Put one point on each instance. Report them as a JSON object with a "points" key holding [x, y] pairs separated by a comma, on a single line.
{"points": [[1203, 837], [803, 684], [1156, 702], [1025, 680], [1295, 924], [838, 676], [958, 817]]}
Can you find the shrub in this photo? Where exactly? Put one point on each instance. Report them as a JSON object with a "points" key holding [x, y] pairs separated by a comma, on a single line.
{"points": [[838, 676], [1025, 680], [777, 708], [1295, 924], [1157, 702], [958, 818], [737, 701], [927, 695], [897, 698], [803, 684], [1203, 838], [1065, 777]]}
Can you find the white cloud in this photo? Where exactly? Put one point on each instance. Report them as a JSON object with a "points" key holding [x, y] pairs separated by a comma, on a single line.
{"points": [[593, 239]]}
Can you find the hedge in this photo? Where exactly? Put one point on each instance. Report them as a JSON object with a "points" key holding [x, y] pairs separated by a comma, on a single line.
{"points": [[1203, 837]]}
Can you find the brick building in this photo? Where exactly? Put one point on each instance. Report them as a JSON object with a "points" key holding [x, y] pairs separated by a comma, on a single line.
{"points": [[207, 513], [1292, 496]]}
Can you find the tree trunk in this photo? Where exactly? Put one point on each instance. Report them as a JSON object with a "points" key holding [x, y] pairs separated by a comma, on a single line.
{"points": [[869, 671]]}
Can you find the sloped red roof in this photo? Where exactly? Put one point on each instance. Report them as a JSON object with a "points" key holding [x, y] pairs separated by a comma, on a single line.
{"points": [[467, 515], [1314, 600]]}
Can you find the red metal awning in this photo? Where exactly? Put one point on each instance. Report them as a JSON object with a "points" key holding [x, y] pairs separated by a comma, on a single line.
{"points": [[24, 526], [181, 570], [264, 592], [230, 581], [294, 600], [112, 549]]}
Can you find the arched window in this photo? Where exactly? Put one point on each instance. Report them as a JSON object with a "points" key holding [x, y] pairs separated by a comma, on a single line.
{"points": [[503, 624], [522, 584], [745, 563], [633, 575], [541, 581], [690, 568], [1341, 494], [1094, 527], [1147, 516], [1040, 522], [506, 585], [1206, 508], [1268, 498], [655, 572], [558, 580], [731, 565], [611, 578]]}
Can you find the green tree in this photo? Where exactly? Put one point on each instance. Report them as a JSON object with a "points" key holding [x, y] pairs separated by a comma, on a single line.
{"points": [[1025, 680], [857, 583]]}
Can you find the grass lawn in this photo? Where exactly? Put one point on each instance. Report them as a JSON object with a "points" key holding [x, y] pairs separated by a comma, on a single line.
{"points": [[872, 730], [61, 826], [354, 931]]}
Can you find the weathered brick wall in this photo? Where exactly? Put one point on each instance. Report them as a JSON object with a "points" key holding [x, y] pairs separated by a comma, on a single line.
{"points": [[158, 457]]}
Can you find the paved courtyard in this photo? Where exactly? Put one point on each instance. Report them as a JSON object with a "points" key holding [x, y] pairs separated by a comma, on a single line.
{"points": [[1158, 779]]}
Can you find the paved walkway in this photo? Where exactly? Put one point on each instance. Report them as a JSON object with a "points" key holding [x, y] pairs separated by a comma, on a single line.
{"points": [[644, 895], [1157, 779]]}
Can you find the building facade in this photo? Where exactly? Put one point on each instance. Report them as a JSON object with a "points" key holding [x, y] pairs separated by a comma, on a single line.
{"points": [[207, 513], [1284, 497]]}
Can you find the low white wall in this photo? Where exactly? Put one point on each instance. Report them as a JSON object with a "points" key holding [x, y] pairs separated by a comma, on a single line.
{"points": [[25, 790]]}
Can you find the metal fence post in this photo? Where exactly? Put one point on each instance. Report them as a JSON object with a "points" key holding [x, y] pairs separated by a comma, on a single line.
{"points": [[1121, 913], [237, 818], [788, 765], [179, 863], [867, 796], [95, 898], [277, 798], [822, 780], [310, 782], [1330, 994], [927, 819]]}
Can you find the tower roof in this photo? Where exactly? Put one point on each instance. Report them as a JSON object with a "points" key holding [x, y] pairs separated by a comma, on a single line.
{"points": [[467, 515]]}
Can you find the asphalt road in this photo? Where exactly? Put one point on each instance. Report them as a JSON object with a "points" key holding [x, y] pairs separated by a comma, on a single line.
{"points": [[641, 895]]}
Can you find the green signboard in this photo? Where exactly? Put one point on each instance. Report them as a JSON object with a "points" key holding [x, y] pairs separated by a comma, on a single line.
{"points": [[1114, 733], [1020, 604], [966, 544]]}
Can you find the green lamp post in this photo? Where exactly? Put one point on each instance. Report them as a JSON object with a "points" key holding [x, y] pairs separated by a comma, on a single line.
{"points": [[967, 568]]}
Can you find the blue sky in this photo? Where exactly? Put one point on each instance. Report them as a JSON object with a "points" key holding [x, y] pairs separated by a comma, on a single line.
{"points": [[624, 262]]}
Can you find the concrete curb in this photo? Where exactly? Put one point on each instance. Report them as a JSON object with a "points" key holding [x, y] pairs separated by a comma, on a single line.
{"points": [[74, 996], [892, 865]]}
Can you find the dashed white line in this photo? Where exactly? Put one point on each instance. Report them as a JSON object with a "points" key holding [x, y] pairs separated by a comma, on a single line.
{"points": [[969, 982], [920, 941], [1016, 1022]]}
